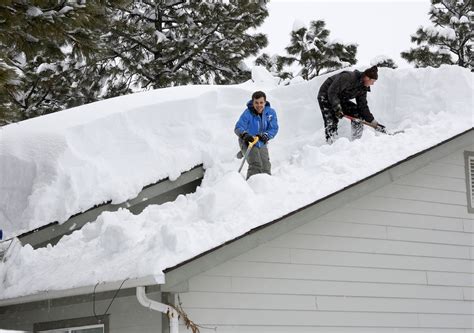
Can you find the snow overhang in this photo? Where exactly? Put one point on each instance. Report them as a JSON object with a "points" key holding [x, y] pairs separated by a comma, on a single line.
{"points": [[160, 192]]}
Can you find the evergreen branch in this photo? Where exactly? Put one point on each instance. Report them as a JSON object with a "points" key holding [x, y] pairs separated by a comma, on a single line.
{"points": [[42, 98], [193, 53], [14, 64], [14, 100], [449, 9], [171, 5], [35, 84], [146, 18], [213, 65], [132, 39]]}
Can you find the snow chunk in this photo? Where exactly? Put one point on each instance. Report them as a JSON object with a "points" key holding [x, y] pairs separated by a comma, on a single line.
{"points": [[65, 10], [261, 76], [34, 11], [160, 37], [297, 79], [447, 33], [44, 67], [298, 24], [379, 59]]}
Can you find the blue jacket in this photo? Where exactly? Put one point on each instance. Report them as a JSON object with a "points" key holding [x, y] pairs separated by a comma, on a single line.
{"points": [[251, 122]]}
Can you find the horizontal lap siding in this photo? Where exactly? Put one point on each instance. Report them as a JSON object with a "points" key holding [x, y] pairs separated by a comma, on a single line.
{"points": [[322, 303], [398, 259], [320, 329], [326, 288]]}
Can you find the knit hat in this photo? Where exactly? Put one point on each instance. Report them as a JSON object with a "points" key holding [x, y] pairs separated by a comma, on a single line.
{"points": [[371, 73]]}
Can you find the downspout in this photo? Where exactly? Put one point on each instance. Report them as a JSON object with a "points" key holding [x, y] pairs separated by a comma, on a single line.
{"points": [[157, 306]]}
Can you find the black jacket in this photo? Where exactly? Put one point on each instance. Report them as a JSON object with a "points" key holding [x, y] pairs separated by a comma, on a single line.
{"points": [[345, 86]]}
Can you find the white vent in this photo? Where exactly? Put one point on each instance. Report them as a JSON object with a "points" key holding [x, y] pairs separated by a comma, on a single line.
{"points": [[469, 159], [470, 184]]}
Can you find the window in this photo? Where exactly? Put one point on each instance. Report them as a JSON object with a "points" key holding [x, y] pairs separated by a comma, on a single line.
{"points": [[99, 324], [469, 163], [82, 329]]}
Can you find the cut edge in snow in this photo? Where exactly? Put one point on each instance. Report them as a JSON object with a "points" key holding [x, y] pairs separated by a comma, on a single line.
{"points": [[160, 192]]}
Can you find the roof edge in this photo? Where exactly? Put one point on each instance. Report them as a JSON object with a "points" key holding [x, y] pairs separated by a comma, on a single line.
{"points": [[90, 289]]}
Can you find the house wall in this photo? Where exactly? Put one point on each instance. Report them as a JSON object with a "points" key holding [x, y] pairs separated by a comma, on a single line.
{"points": [[126, 314], [399, 259]]}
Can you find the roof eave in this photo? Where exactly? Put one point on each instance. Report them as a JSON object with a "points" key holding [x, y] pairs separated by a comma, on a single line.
{"points": [[84, 290]]}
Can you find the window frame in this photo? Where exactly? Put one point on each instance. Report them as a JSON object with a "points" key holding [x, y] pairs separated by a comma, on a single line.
{"points": [[73, 323]]}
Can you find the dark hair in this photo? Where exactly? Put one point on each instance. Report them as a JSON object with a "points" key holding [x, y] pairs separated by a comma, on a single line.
{"points": [[259, 94], [371, 73]]}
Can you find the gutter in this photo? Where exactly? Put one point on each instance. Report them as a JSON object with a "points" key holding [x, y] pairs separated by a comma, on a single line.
{"points": [[157, 306], [101, 287]]}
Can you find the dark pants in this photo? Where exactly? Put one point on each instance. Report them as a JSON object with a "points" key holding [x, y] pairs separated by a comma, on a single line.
{"points": [[258, 159], [331, 121]]}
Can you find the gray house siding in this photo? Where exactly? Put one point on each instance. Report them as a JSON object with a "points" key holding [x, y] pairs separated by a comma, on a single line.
{"points": [[397, 259], [126, 315]]}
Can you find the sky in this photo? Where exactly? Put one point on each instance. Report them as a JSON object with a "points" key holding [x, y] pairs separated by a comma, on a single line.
{"points": [[379, 27], [66, 162]]}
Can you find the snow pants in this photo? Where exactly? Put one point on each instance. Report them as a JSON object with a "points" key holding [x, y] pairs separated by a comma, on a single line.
{"points": [[258, 159], [331, 121]]}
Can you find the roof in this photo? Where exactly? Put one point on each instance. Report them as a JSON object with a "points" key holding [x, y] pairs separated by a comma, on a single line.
{"points": [[114, 156], [174, 276]]}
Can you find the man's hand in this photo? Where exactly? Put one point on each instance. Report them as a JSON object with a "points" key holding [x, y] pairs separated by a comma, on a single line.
{"points": [[379, 127], [263, 137], [247, 137], [338, 111]]}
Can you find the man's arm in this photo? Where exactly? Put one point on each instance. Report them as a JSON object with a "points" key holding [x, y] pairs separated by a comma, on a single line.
{"points": [[242, 124], [364, 108], [272, 128]]}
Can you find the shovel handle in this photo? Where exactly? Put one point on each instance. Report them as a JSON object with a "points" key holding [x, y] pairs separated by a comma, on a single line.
{"points": [[255, 140], [251, 144], [358, 120]]}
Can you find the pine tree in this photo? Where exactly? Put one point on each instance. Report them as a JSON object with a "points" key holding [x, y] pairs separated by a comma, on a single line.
{"points": [[275, 65], [166, 43], [312, 50], [44, 45], [58, 54], [449, 41]]}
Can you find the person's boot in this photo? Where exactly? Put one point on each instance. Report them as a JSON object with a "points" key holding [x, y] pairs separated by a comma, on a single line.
{"points": [[356, 130]]}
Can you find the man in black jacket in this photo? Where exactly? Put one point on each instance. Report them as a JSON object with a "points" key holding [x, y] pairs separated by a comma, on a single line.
{"points": [[334, 100]]}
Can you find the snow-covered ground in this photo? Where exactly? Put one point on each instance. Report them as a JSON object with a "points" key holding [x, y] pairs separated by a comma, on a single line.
{"points": [[57, 165]]}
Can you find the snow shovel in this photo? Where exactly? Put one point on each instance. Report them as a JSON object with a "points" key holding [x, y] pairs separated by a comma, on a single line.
{"points": [[249, 148], [379, 128]]}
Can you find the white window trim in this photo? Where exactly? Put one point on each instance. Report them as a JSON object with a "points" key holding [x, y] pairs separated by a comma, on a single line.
{"points": [[73, 324]]}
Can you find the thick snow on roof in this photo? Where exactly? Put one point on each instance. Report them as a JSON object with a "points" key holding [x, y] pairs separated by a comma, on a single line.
{"points": [[57, 165]]}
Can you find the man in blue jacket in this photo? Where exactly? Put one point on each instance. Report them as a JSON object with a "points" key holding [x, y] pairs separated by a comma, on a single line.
{"points": [[258, 120]]}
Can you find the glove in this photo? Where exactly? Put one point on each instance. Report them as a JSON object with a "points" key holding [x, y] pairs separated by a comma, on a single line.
{"points": [[379, 127], [247, 137], [338, 111], [263, 137]]}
